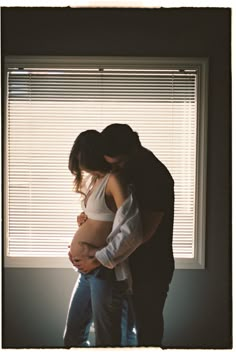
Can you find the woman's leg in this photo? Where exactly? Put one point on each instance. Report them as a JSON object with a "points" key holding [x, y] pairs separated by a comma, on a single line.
{"points": [[129, 338], [79, 316], [107, 296]]}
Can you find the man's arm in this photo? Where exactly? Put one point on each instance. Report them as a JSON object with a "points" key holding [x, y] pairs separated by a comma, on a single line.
{"points": [[151, 220], [122, 247], [126, 235]]}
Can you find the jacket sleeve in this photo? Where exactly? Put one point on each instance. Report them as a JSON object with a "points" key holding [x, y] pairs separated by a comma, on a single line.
{"points": [[125, 237]]}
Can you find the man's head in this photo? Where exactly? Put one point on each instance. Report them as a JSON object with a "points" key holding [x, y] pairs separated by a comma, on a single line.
{"points": [[120, 142]]}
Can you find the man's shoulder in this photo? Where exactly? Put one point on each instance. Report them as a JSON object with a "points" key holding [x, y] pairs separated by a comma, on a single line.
{"points": [[152, 165]]}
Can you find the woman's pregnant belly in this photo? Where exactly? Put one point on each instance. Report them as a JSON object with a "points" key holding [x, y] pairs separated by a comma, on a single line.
{"points": [[92, 233]]}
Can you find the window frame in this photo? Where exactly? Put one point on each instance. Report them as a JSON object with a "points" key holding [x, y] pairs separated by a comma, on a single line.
{"points": [[201, 64]]}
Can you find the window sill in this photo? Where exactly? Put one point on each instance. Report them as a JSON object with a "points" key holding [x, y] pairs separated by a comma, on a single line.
{"points": [[63, 262]]}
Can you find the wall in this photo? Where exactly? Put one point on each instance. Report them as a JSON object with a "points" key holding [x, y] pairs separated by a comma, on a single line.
{"points": [[197, 312]]}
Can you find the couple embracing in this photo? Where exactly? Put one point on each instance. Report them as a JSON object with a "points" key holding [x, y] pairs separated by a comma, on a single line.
{"points": [[123, 246]]}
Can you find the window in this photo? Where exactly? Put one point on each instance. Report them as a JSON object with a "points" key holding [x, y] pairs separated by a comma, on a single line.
{"points": [[49, 101]]}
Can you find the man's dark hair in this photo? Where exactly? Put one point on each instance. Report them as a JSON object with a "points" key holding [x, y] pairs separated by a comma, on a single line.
{"points": [[119, 139]]}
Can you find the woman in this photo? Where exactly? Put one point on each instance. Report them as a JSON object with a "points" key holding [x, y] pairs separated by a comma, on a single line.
{"points": [[98, 295]]}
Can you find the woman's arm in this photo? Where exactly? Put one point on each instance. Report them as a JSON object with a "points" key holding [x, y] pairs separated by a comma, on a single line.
{"points": [[117, 190]]}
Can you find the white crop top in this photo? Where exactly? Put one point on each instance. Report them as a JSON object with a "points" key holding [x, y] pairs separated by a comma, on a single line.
{"points": [[96, 207]]}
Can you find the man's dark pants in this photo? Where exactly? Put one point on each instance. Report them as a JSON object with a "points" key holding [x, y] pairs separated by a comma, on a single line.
{"points": [[149, 301]]}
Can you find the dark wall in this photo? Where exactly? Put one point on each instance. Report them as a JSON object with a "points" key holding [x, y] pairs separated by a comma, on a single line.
{"points": [[162, 32], [197, 312]]}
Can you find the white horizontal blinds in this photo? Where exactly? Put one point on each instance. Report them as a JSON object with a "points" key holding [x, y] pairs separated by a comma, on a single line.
{"points": [[48, 108]]}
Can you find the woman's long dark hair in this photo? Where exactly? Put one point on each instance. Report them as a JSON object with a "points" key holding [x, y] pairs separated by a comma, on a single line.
{"points": [[87, 153]]}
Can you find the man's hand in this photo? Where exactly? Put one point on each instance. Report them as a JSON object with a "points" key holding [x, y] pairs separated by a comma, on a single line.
{"points": [[86, 264], [84, 257], [81, 219]]}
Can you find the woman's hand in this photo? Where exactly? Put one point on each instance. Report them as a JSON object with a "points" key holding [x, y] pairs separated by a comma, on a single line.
{"points": [[86, 264], [81, 252], [81, 219]]}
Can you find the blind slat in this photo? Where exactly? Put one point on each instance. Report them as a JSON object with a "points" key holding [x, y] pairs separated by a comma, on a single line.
{"points": [[48, 109]]}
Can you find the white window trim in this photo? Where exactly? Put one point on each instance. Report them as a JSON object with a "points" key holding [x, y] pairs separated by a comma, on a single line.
{"points": [[198, 262]]}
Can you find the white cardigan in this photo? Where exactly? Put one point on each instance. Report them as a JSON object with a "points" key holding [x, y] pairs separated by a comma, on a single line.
{"points": [[125, 237]]}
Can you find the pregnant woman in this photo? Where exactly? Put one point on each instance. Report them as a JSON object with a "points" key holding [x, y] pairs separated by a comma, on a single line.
{"points": [[99, 294]]}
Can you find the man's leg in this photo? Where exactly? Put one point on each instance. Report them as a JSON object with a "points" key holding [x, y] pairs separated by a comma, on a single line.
{"points": [[79, 315], [149, 304], [107, 296]]}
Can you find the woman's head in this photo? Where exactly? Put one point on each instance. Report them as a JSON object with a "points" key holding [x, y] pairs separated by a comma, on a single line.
{"points": [[87, 154]]}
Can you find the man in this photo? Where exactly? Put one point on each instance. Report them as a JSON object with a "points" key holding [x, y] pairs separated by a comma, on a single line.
{"points": [[152, 264]]}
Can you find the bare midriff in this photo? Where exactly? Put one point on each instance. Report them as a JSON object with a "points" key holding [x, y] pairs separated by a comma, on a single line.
{"points": [[89, 237]]}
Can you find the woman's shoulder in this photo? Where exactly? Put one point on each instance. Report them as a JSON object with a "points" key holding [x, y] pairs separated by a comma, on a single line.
{"points": [[117, 177]]}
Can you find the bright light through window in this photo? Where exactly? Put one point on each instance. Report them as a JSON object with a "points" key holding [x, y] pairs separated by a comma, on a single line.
{"points": [[47, 107]]}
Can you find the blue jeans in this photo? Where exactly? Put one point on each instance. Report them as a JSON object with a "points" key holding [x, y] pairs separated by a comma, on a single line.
{"points": [[96, 297], [128, 330]]}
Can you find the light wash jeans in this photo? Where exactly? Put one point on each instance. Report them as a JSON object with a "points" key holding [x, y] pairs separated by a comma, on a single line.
{"points": [[128, 330], [96, 297]]}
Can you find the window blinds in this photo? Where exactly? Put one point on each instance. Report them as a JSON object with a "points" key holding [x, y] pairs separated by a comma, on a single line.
{"points": [[48, 108]]}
